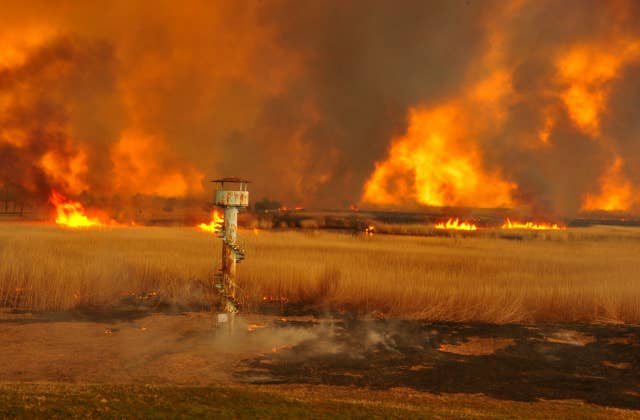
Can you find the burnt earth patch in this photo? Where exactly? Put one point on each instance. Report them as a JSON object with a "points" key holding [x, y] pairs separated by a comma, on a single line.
{"points": [[510, 362]]}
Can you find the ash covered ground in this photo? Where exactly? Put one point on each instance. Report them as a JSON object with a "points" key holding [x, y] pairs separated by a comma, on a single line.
{"points": [[599, 364]]}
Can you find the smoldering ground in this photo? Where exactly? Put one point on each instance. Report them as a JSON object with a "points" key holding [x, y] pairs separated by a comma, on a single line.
{"points": [[595, 363], [87, 347]]}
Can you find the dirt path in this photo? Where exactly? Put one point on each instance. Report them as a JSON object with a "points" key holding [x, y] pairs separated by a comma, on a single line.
{"points": [[155, 349]]}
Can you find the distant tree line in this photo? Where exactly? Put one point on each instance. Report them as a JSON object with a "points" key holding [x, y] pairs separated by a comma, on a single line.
{"points": [[266, 204]]}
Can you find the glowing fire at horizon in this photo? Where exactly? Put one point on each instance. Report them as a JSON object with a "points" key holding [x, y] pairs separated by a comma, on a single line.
{"points": [[71, 213], [616, 191], [296, 208], [214, 226], [508, 224], [454, 224]]}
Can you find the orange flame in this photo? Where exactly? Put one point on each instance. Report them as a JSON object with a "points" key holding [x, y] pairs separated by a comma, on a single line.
{"points": [[273, 299], [214, 226], [548, 123], [437, 162], [585, 72], [71, 213], [68, 173], [143, 162], [296, 208], [369, 230], [455, 224], [616, 192], [253, 327], [508, 224]]}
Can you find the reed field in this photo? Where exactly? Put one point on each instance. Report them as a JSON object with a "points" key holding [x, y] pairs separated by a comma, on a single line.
{"points": [[575, 275]]}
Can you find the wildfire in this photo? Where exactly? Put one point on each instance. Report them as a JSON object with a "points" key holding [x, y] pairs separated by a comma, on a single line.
{"points": [[296, 208], [369, 230], [494, 126], [144, 163], [437, 163], [274, 299], [253, 327], [69, 173], [508, 224], [548, 122], [585, 71], [71, 213], [616, 192], [214, 226], [455, 224]]}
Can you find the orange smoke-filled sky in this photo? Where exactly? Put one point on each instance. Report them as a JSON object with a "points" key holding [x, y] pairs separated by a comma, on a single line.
{"points": [[418, 103]]}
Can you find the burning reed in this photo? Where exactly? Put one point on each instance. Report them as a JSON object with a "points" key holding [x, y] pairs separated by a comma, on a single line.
{"points": [[567, 276]]}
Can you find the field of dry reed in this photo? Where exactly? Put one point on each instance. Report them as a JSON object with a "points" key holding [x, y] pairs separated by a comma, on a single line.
{"points": [[577, 275]]}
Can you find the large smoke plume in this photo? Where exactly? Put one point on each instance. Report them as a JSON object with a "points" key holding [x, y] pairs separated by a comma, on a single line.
{"points": [[474, 103]]}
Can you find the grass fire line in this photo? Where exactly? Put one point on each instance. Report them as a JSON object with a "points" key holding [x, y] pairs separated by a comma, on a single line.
{"points": [[71, 213]]}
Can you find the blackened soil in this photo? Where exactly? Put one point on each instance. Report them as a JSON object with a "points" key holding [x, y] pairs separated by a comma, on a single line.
{"points": [[599, 364]]}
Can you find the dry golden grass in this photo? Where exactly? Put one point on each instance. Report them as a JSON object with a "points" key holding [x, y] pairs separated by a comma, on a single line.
{"points": [[589, 274]]}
